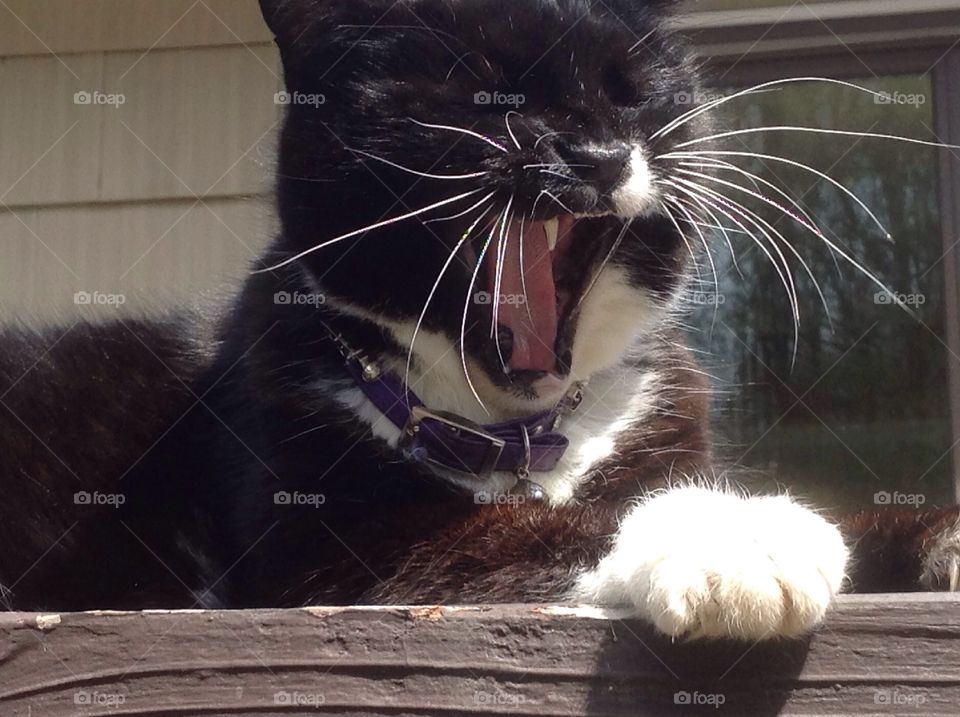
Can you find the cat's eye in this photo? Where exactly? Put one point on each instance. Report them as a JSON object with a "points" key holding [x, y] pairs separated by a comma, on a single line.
{"points": [[619, 88]]}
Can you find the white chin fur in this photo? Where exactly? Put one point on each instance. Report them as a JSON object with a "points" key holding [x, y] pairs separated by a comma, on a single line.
{"points": [[612, 318], [701, 562]]}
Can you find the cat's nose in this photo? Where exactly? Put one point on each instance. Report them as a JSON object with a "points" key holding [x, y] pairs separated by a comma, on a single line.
{"points": [[603, 166]]}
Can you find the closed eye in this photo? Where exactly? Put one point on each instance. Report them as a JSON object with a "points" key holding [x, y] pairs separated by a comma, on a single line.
{"points": [[619, 88]]}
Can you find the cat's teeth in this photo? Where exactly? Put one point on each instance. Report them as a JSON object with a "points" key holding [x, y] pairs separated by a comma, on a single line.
{"points": [[552, 229]]}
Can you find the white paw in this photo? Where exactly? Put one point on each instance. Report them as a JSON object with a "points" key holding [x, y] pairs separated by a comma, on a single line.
{"points": [[704, 563]]}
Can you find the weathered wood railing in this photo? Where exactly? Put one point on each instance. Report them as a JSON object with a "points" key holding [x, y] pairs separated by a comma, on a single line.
{"points": [[876, 655]]}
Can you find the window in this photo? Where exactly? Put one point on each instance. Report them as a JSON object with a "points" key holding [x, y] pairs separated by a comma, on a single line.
{"points": [[863, 414]]}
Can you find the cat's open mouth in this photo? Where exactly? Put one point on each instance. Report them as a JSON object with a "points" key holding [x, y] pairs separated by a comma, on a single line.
{"points": [[538, 303]]}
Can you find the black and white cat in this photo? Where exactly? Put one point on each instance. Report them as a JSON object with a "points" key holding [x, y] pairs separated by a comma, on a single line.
{"points": [[453, 377]]}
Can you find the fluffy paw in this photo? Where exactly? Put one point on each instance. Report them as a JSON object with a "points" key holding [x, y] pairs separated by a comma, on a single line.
{"points": [[941, 566], [704, 563]]}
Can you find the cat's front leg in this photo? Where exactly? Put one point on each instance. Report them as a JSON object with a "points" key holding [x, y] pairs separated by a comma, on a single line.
{"points": [[700, 562]]}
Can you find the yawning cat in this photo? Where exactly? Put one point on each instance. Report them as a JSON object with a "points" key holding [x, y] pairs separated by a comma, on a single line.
{"points": [[455, 375]]}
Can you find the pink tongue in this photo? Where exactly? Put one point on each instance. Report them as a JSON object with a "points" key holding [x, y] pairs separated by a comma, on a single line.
{"points": [[533, 319]]}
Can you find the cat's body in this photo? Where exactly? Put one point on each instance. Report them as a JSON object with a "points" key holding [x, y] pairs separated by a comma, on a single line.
{"points": [[235, 460]]}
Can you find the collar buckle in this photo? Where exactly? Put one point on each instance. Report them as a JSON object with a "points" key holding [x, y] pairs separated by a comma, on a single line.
{"points": [[457, 424]]}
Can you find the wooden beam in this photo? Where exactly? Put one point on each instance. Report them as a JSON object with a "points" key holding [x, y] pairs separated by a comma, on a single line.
{"points": [[876, 655]]}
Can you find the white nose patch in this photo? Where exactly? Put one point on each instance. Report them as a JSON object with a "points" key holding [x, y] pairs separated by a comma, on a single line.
{"points": [[636, 195]]}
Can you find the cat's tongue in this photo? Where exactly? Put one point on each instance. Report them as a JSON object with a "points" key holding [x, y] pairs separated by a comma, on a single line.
{"points": [[528, 305]]}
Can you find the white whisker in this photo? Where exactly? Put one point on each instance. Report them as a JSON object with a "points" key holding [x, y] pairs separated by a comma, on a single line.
{"points": [[813, 230], [816, 130], [468, 132], [756, 89], [800, 165], [464, 213], [466, 308], [506, 119], [726, 205], [436, 285], [426, 175]]}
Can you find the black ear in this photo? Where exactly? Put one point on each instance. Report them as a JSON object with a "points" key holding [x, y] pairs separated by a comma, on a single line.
{"points": [[294, 23]]}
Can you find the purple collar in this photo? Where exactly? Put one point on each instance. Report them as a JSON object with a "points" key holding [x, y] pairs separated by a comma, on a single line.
{"points": [[522, 446]]}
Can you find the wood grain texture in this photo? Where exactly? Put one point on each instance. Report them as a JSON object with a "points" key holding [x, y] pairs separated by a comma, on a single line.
{"points": [[876, 655]]}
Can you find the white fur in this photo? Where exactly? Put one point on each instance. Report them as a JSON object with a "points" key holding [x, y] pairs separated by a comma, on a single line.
{"points": [[701, 562], [941, 567], [613, 317], [636, 195]]}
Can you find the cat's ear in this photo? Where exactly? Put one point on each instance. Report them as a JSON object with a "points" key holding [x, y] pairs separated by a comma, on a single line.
{"points": [[294, 23]]}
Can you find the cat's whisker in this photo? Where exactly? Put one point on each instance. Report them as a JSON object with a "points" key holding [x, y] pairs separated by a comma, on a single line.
{"points": [[683, 236], [506, 119], [783, 160], [536, 145], [464, 213], [706, 247], [803, 263], [724, 230], [606, 260], [523, 277], [815, 130], [555, 199], [816, 232], [571, 177], [557, 164], [502, 238], [426, 175], [501, 261], [756, 89], [468, 132], [357, 232], [754, 179], [453, 254], [724, 205], [466, 309]]}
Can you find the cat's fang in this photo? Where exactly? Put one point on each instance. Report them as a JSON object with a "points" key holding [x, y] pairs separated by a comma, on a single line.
{"points": [[551, 228]]}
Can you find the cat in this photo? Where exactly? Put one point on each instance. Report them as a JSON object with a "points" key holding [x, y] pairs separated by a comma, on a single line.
{"points": [[454, 377]]}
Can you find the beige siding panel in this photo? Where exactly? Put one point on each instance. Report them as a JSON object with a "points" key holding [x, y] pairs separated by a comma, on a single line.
{"points": [[154, 255], [194, 122], [35, 27], [50, 145]]}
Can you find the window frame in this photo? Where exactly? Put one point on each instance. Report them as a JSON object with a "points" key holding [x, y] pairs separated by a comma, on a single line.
{"points": [[826, 48]]}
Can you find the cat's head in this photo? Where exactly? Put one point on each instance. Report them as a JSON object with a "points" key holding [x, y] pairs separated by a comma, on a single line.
{"points": [[539, 116]]}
